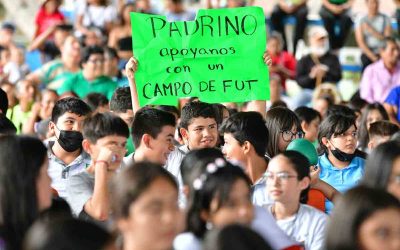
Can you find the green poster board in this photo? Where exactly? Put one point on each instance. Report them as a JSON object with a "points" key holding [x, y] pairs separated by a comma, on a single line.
{"points": [[217, 58]]}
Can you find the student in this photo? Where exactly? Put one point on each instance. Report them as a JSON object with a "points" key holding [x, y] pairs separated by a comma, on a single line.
{"points": [[220, 195], [371, 113], [234, 237], [145, 207], [97, 102], [382, 169], [365, 219], [339, 164], [105, 138], [246, 137], [6, 126], [283, 126], [121, 105], [66, 156], [380, 132], [25, 186], [153, 140], [288, 181], [60, 234], [309, 120]]}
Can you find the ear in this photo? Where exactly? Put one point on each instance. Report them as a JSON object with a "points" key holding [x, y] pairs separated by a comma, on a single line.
{"points": [[146, 140], [304, 125], [184, 133], [305, 183], [52, 127], [370, 144], [87, 146], [325, 141], [246, 147]]}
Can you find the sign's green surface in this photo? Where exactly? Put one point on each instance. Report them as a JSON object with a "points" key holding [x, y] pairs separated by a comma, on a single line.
{"points": [[218, 57]]}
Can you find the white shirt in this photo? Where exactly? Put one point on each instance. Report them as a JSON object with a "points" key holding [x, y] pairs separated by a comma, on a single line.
{"points": [[306, 227]]}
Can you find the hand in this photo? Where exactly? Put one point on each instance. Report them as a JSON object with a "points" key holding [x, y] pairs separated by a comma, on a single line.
{"points": [[267, 59], [131, 67], [36, 108], [314, 175], [321, 72], [112, 155]]}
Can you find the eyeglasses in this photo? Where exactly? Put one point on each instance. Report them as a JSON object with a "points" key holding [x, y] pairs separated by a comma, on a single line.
{"points": [[288, 135], [280, 176]]}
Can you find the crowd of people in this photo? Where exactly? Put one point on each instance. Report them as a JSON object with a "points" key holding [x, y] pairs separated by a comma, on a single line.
{"points": [[83, 166]]}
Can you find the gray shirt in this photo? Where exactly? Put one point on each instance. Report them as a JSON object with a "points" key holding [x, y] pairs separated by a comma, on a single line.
{"points": [[379, 23], [79, 190]]}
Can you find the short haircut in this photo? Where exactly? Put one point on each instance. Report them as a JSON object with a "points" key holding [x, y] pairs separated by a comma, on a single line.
{"points": [[386, 41], [6, 126], [69, 104], [170, 109], [110, 53], [307, 114], [121, 100], [132, 182], [96, 100], [341, 110], [194, 110], [382, 128], [150, 121], [101, 125], [248, 126], [91, 50], [3, 101]]}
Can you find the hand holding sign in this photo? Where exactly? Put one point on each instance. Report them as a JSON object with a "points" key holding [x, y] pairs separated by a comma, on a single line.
{"points": [[218, 57]]}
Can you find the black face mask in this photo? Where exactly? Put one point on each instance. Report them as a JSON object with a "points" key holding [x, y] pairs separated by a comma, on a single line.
{"points": [[70, 141], [342, 156]]}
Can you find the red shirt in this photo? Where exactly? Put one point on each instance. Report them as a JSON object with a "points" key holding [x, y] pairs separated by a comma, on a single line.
{"points": [[45, 20], [286, 60]]}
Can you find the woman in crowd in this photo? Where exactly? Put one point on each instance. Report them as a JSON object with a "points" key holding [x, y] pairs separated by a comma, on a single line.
{"points": [[372, 113], [365, 219], [288, 181], [24, 187], [283, 127], [145, 206], [382, 169]]}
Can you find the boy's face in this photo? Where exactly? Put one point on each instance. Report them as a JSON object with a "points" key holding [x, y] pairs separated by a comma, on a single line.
{"points": [[232, 149], [161, 146], [126, 116], [114, 143], [68, 121], [201, 133]]}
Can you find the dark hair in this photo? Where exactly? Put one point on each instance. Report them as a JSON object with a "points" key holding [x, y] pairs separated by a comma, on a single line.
{"points": [[307, 114], [110, 53], [170, 109], [141, 123], [192, 165], [334, 125], [277, 120], [301, 165], [193, 110], [61, 234], [379, 165], [91, 50], [6, 126], [96, 100], [21, 159], [216, 185], [338, 109], [278, 103], [133, 181], [234, 237], [385, 42], [351, 210], [101, 125], [121, 100], [382, 128], [363, 137], [3, 101], [248, 126], [121, 14], [219, 112], [69, 104]]}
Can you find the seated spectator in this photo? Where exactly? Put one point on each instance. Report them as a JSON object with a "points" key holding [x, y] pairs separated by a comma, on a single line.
{"points": [[322, 105], [48, 15], [7, 32], [283, 66], [382, 170], [145, 209], [392, 104], [66, 156], [95, 13], [175, 11], [16, 68], [93, 37], [380, 132], [25, 187], [288, 181], [340, 166], [382, 76], [111, 67], [91, 78], [333, 12], [309, 120], [365, 218], [371, 113], [370, 32], [295, 8], [105, 141], [97, 102], [53, 73], [320, 66]]}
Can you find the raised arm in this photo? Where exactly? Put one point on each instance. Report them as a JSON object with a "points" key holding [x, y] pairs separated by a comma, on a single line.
{"points": [[130, 69]]}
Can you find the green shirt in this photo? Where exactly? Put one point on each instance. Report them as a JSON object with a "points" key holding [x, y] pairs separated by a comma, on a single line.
{"points": [[338, 1], [80, 86], [18, 117]]}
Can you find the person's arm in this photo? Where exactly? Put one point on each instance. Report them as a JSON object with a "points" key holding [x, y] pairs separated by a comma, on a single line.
{"points": [[388, 29], [304, 74], [363, 46], [29, 126], [79, 24], [112, 39], [41, 39], [35, 76], [130, 69], [329, 192], [335, 9], [366, 89], [392, 112]]}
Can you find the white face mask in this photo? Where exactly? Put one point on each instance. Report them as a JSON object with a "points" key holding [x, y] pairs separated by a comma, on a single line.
{"points": [[320, 51]]}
